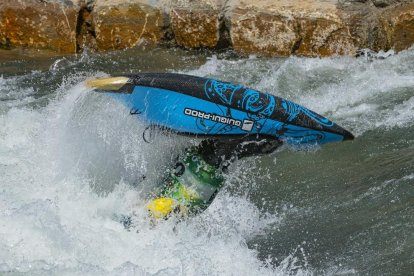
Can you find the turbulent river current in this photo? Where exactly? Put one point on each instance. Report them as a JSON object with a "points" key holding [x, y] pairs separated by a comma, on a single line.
{"points": [[74, 162]]}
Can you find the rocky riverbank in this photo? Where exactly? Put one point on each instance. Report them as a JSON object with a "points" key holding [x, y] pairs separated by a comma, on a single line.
{"points": [[264, 27]]}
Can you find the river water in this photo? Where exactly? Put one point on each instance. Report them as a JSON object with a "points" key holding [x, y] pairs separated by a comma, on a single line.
{"points": [[72, 164]]}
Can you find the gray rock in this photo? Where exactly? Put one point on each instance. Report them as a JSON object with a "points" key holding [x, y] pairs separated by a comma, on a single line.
{"points": [[386, 3]]}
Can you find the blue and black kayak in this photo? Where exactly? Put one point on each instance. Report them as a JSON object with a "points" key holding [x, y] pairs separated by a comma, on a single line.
{"points": [[199, 106]]}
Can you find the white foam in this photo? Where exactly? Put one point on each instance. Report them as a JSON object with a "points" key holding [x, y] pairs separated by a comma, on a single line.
{"points": [[402, 115], [358, 94], [67, 174], [69, 170], [11, 95]]}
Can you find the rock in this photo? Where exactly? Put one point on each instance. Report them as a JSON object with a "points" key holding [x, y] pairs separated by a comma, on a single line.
{"points": [[281, 28], [382, 3], [364, 26], [85, 28], [399, 25], [124, 24], [386, 3], [264, 27], [38, 24], [195, 24]]}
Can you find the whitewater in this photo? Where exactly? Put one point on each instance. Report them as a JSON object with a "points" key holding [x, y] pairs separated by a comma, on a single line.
{"points": [[73, 163]]}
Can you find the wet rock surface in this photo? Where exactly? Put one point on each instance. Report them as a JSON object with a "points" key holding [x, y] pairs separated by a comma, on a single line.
{"points": [[265, 27], [398, 24], [39, 24], [310, 28], [124, 24], [195, 24]]}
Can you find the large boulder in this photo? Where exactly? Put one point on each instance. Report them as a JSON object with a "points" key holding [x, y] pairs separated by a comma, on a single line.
{"points": [[39, 24], [321, 27], [196, 23], [264, 27], [398, 22], [121, 24], [364, 24], [308, 27]]}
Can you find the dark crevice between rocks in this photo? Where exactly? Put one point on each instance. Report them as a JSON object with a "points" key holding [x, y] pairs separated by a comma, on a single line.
{"points": [[296, 46], [224, 40], [224, 44], [168, 38], [5, 43], [85, 28], [298, 41]]}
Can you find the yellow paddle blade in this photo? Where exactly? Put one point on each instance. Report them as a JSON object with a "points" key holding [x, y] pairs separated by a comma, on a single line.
{"points": [[111, 83]]}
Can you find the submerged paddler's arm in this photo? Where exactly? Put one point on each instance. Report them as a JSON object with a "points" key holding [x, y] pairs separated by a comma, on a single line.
{"points": [[222, 152]]}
